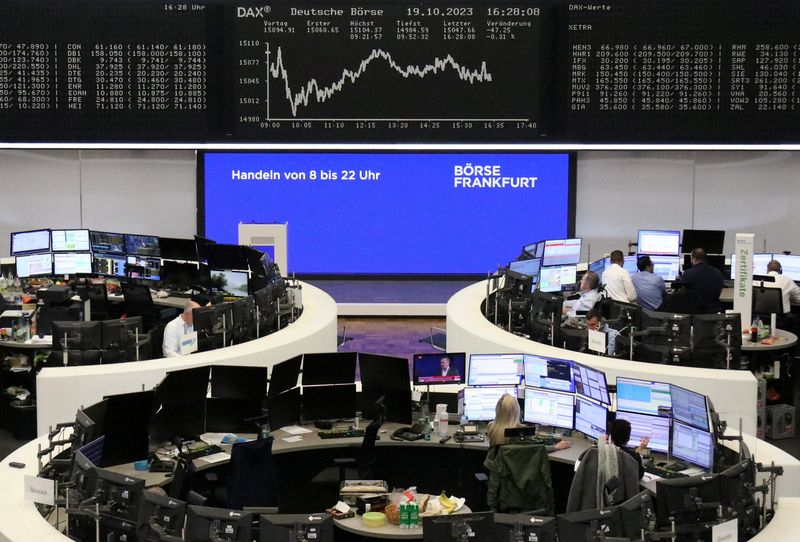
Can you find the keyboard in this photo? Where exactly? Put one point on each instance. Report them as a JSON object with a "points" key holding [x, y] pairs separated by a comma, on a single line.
{"points": [[202, 452], [341, 433], [545, 440], [663, 473]]}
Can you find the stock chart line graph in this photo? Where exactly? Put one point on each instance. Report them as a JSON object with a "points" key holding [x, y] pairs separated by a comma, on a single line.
{"points": [[313, 90]]}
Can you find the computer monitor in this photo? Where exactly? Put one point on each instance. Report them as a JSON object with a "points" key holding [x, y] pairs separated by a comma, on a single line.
{"points": [[233, 283], [480, 403], [34, 265], [432, 369], [78, 335], [125, 422], [760, 261], [70, 240], [534, 250], [496, 369], [644, 396], [70, 263], [29, 242], [224, 256], [715, 330], [285, 375], [214, 326], [680, 499], [557, 278], [329, 368], [179, 405], [107, 242], [735, 484], [590, 418], [244, 319], [458, 527], [664, 242], [284, 408], [693, 445], [179, 275], [83, 476], [204, 523], [110, 265], [119, 495], [666, 328], [92, 450], [329, 402], [387, 377], [142, 245], [712, 241], [689, 407], [637, 514], [586, 524], [548, 373], [267, 309], [598, 266], [590, 383], [767, 300], [160, 515], [645, 425], [561, 252], [228, 415], [545, 317], [525, 527], [628, 264], [549, 408], [122, 334], [142, 267], [178, 249], [666, 267], [296, 527], [790, 265], [237, 382], [529, 268]]}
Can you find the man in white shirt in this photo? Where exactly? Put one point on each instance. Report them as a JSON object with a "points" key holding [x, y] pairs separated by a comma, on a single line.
{"points": [[791, 292], [175, 330], [589, 295], [617, 280]]}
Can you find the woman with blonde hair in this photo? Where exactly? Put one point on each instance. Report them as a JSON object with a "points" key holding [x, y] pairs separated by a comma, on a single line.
{"points": [[506, 415]]}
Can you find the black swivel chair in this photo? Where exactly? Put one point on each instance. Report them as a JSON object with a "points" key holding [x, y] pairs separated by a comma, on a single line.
{"points": [[139, 302], [99, 305], [253, 478]]}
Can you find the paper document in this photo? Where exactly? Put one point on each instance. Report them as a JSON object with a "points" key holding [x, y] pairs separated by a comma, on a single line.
{"points": [[296, 438], [296, 430]]}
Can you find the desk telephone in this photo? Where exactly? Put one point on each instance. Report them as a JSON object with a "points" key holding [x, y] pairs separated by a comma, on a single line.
{"points": [[415, 432]]}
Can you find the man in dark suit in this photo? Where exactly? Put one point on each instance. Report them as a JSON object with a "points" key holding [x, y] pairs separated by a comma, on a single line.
{"points": [[705, 280], [446, 369]]}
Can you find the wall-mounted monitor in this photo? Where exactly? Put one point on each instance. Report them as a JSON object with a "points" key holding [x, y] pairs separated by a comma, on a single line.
{"points": [[496, 369], [34, 265], [447, 368], [106, 242], [29, 242], [549, 408], [70, 240], [664, 242], [561, 252], [70, 263]]}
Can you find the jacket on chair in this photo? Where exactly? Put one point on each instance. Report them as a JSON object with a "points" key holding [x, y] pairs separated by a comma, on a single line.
{"points": [[519, 478], [582, 492]]}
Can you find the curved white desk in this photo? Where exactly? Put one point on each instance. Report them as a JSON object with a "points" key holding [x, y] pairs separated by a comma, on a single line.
{"points": [[61, 391]]}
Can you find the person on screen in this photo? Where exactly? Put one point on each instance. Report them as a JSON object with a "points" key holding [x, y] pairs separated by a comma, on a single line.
{"points": [[506, 416], [445, 369], [620, 433], [595, 322], [649, 287], [706, 282], [176, 329], [590, 293], [791, 292], [617, 280]]}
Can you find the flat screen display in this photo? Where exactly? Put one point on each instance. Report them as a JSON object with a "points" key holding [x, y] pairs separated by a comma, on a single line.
{"points": [[447, 368], [693, 445], [405, 207], [562, 252], [34, 265], [666, 267], [480, 403], [112, 265], [496, 369], [790, 266], [107, 242], [644, 396], [231, 282], [555, 279], [644, 425], [144, 268], [549, 408], [70, 263], [70, 240], [548, 373], [529, 268], [142, 245], [689, 407], [666, 242], [590, 417], [27, 242], [591, 383], [760, 261]]}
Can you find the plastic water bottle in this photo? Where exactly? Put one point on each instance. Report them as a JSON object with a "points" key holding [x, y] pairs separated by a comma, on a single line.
{"points": [[441, 416]]}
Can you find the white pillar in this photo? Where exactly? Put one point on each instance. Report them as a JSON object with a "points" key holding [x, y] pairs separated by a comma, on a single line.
{"points": [[743, 277]]}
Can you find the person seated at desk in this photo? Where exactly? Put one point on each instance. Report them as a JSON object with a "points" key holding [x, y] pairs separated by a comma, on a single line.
{"points": [[177, 329], [791, 292], [705, 280], [649, 287], [620, 433], [617, 280], [594, 322], [590, 293]]}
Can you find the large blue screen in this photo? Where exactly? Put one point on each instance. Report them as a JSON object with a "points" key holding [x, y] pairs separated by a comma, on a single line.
{"points": [[384, 213]]}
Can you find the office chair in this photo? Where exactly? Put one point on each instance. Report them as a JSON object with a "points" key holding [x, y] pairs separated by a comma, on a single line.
{"points": [[437, 338], [99, 305], [519, 478], [139, 302], [253, 477], [181, 486]]}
